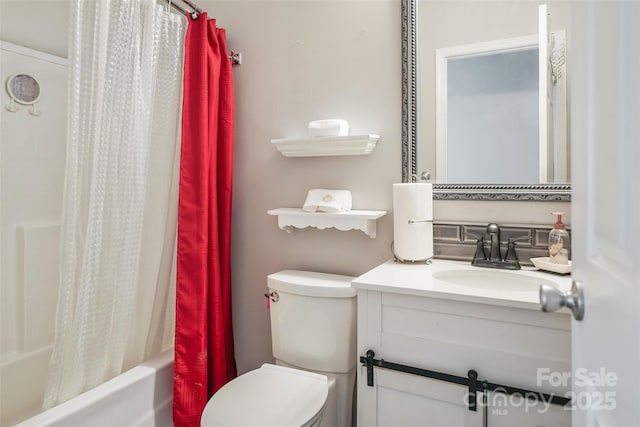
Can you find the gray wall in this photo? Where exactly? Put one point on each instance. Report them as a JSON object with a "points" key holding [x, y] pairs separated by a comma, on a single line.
{"points": [[302, 60]]}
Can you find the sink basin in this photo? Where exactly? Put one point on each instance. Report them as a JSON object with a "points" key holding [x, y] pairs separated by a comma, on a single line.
{"points": [[492, 279]]}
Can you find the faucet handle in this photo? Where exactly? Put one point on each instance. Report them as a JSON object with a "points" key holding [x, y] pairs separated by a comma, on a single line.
{"points": [[511, 250], [480, 254]]}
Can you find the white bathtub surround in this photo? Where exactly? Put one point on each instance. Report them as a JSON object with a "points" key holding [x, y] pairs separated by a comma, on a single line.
{"points": [[141, 396], [118, 224], [32, 160]]}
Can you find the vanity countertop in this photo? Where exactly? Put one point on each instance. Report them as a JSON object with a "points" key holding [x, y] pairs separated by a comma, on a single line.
{"points": [[419, 280]]}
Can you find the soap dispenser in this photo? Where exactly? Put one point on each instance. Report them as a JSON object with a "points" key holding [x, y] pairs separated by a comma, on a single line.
{"points": [[559, 242]]}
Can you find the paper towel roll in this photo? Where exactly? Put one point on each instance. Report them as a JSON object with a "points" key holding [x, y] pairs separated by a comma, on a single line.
{"points": [[413, 241]]}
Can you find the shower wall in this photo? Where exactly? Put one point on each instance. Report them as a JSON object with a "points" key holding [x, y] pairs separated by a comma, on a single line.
{"points": [[32, 161]]}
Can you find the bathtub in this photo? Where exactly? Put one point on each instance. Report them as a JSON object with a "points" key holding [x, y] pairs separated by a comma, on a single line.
{"points": [[142, 396]]}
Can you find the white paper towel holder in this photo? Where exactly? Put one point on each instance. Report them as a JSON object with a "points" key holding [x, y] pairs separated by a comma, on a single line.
{"points": [[424, 176], [396, 258]]}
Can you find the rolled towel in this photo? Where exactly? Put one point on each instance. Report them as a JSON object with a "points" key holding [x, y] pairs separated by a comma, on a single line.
{"points": [[330, 127], [327, 201]]}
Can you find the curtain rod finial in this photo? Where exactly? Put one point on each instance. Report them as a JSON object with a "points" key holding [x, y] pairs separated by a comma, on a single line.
{"points": [[235, 57]]}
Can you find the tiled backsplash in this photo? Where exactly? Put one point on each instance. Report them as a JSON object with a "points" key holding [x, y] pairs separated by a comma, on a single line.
{"points": [[458, 241]]}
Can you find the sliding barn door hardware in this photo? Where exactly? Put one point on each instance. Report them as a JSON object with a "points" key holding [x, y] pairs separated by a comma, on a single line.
{"points": [[471, 381]]}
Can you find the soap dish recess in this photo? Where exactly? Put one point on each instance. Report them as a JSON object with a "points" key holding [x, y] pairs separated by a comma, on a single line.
{"points": [[543, 264]]}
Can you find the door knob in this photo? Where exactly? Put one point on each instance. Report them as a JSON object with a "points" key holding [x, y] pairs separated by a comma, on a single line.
{"points": [[552, 299]]}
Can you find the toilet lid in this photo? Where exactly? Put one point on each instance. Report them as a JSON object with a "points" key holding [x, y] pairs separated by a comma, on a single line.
{"points": [[269, 396]]}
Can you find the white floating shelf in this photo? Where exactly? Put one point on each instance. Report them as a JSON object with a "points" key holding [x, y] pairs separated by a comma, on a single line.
{"points": [[365, 221], [352, 145]]}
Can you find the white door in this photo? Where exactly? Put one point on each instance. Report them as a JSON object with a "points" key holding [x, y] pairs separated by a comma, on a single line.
{"points": [[605, 123]]}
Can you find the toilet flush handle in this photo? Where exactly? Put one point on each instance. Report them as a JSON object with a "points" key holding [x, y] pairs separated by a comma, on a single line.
{"points": [[271, 297]]}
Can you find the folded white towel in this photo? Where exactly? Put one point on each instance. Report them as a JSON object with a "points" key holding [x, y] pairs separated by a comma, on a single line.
{"points": [[327, 201], [330, 127]]}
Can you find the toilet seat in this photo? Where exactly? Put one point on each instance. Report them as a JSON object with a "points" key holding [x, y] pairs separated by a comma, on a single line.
{"points": [[269, 396]]}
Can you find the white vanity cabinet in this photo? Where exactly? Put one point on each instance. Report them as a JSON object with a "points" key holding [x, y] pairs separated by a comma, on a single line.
{"points": [[408, 318]]}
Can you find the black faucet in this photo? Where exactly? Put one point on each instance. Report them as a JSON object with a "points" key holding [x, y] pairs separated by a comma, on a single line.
{"points": [[495, 259]]}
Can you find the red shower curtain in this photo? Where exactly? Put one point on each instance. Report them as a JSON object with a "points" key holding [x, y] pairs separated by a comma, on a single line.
{"points": [[204, 359]]}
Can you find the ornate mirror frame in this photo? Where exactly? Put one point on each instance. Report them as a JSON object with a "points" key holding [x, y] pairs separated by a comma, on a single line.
{"points": [[516, 192]]}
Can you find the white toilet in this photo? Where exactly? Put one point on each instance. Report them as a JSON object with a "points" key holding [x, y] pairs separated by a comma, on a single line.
{"points": [[313, 329]]}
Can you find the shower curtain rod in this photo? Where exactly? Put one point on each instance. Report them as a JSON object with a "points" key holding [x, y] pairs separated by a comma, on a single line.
{"points": [[194, 9]]}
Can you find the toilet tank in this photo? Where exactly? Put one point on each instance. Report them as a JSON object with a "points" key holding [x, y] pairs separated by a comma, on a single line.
{"points": [[313, 321]]}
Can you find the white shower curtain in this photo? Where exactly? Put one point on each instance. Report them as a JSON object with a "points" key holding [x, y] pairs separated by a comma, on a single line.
{"points": [[116, 303]]}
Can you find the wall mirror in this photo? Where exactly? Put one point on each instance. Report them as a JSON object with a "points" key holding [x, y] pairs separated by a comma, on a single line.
{"points": [[481, 111]]}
